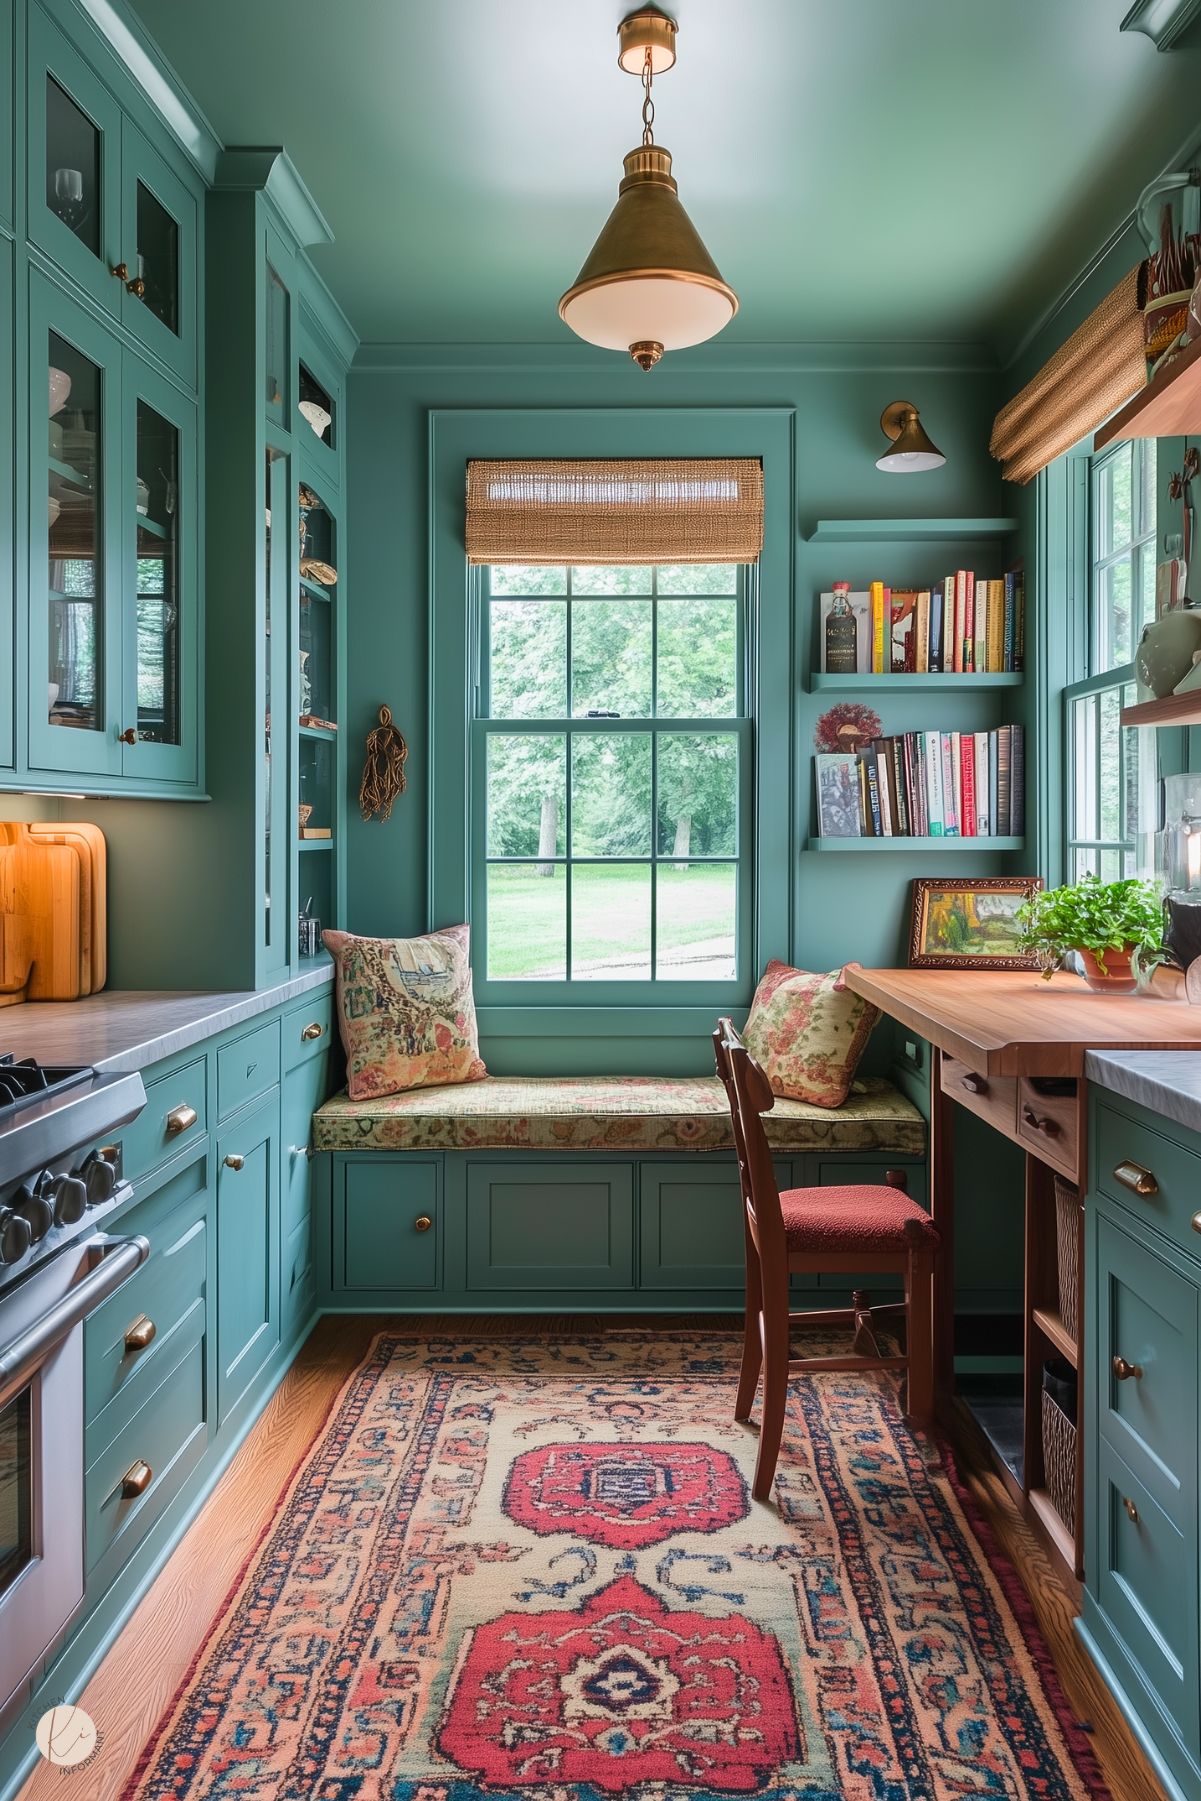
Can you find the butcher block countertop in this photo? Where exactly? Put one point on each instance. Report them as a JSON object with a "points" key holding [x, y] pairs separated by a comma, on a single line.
{"points": [[1013, 1023], [128, 1029]]}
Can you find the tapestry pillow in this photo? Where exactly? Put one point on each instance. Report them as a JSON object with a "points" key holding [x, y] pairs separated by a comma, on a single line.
{"points": [[808, 1033], [406, 1011]]}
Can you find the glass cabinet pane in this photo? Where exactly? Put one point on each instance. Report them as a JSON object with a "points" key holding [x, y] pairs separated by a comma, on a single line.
{"points": [[271, 490], [76, 609], [158, 633], [158, 258], [72, 166], [277, 349], [316, 407], [316, 662]]}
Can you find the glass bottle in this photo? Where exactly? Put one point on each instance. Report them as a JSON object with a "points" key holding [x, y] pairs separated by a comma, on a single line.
{"points": [[842, 633]]}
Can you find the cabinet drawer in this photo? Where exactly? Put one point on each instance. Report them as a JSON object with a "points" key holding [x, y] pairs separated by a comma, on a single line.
{"points": [[136, 1331], [1146, 1585], [994, 1098], [1048, 1123], [307, 1030], [550, 1226], [1147, 1386], [1150, 1174], [166, 1123], [379, 1241], [168, 1434], [247, 1068]]}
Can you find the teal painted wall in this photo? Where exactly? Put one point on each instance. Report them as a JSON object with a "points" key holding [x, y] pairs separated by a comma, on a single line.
{"points": [[853, 907]]}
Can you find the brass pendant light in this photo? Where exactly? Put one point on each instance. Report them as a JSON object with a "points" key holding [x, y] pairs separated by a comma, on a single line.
{"points": [[648, 284]]}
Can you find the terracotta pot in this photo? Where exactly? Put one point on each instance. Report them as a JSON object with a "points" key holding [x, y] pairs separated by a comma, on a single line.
{"points": [[1115, 977]]}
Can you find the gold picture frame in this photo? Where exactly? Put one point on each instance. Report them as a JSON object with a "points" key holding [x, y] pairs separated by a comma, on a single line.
{"points": [[967, 922]]}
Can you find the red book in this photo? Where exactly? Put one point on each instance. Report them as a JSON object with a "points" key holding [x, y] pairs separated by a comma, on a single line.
{"points": [[956, 661], [967, 763]]}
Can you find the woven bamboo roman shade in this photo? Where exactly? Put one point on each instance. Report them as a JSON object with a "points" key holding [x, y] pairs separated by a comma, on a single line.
{"points": [[1098, 369], [645, 510]]}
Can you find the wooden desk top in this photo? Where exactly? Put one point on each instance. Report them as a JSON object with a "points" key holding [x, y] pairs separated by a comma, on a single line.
{"points": [[1008, 1023]]}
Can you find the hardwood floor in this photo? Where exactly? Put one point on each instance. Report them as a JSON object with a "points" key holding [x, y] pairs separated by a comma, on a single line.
{"points": [[140, 1674]]}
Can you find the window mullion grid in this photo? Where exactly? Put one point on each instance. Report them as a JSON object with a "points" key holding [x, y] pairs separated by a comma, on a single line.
{"points": [[654, 822], [568, 778]]}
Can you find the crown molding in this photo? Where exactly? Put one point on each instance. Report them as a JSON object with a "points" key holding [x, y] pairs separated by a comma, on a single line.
{"points": [[139, 59], [816, 357], [1163, 21], [268, 169]]}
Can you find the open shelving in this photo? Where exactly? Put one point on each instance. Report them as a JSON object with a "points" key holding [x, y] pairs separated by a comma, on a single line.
{"points": [[953, 843], [821, 681], [908, 531], [1168, 407], [1173, 709]]}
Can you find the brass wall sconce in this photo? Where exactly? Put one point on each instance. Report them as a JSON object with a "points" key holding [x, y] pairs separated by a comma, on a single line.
{"points": [[912, 452]]}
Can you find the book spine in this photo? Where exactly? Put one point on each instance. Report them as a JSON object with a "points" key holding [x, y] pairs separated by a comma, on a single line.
{"points": [[959, 614], [1010, 645], [866, 829], [1019, 620], [878, 594], [993, 750], [921, 649], [882, 767], [967, 782], [920, 785], [950, 814], [995, 654], [1017, 780], [980, 633], [1004, 770], [901, 805], [957, 779], [867, 757], [934, 785], [936, 622], [983, 816]]}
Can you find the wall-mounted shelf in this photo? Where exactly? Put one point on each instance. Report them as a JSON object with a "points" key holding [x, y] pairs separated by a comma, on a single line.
{"points": [[313, 589], [946, 684], [953, 843], [1168, 407], [319, 734], [316, 844], [1173, 709], [908, 531]]}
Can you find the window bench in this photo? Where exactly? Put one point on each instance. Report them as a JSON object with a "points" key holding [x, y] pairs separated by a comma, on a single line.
{"points": [[589, 1193]]}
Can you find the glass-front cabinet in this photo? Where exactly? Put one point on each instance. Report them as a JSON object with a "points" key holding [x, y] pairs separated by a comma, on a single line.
{"points": [[113, 580], [8, 736], [104, 204]]}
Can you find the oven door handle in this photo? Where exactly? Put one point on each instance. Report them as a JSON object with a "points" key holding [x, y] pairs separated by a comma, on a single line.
{"points": [[119, 1258]]}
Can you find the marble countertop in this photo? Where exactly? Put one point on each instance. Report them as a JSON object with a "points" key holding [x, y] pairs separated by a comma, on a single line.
{"points": [[1166, 1082], [129, 1029]]}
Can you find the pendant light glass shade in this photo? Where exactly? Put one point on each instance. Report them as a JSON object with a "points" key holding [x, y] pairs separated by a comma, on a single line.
{"points": [[648, 284], [911, 452]]}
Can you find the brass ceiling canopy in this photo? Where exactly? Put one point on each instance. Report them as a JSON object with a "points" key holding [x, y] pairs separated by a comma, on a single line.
{"points": [[648, 284]]}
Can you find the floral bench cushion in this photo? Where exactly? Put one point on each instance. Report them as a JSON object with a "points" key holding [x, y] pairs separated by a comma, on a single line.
{"points": [[610, 1113]]}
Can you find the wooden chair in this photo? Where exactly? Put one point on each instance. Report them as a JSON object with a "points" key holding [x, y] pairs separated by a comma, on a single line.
{"points": [[874, 1228]]}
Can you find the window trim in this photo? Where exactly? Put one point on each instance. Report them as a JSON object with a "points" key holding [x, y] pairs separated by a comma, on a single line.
{"points": [[455, 436]]}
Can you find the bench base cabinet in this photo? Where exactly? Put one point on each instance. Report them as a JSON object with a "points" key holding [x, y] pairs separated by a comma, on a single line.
{"points": [[248, 1273], [539, 1226]]}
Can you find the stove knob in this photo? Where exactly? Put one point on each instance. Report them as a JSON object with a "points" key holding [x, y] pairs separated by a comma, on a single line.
{"points": [[34, 1208], [15, 1236], [99, 1177], [70, 1201]]}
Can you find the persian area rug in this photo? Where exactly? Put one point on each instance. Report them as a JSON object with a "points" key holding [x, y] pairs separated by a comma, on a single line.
{"points": [[531, 1570]]}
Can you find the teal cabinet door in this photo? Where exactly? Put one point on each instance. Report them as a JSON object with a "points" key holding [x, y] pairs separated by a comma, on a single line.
{"points": [[8, 102], [305, 1088], [248, 1320], [550, 1226], [690, 1226], [73, 164], [159, 304], [386, 1224], [8, 523]]}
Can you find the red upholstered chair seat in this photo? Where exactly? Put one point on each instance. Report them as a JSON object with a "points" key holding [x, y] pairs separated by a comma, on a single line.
{"points": [[865, 1217]]}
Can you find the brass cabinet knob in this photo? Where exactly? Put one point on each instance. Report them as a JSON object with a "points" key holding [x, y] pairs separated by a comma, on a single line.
{"points": [[422, 1223], [181, 1119], [128, 736], [973, 1083], [315, 1030], [1138, 1180], [1131, 1510], [136, 287], [1048, 1127], [1195, 1222], [140, 1333], [234, 1161], [121, 271], [136, 1480], [1123, 1371]]}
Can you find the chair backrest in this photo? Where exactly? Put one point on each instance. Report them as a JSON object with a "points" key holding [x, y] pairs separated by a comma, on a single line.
{"points": [[749, 1094]]}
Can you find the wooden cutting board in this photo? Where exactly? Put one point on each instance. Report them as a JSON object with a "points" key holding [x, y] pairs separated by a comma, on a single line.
{"points": [[92, 849], [40, 884]]}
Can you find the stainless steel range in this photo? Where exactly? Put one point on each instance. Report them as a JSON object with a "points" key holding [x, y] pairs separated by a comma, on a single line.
{"points": [[59, 1183]]}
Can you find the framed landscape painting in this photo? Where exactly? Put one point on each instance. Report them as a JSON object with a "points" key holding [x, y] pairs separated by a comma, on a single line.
{"points": [[969, 923]]}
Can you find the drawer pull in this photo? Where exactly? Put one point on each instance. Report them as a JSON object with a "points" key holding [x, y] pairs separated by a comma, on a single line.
{"points": [[1137, 1179], [973, 1083], [1050, 1128], [315, 1030], [181, 1119], [136, 1480], [140, 1333], [1123, 1371], [422, 1223], [1195, 1222], [1131, 1510], [234, 1161]]}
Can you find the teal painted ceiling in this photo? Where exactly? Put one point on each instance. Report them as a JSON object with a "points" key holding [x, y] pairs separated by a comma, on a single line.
{"points": [[860, 169]]}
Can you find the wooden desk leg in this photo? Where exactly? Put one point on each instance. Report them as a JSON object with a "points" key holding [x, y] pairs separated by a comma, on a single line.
{"points": [[942, 1211]]}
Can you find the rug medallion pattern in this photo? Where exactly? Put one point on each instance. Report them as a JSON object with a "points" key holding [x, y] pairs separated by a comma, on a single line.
{"points": [[532, 1571]]}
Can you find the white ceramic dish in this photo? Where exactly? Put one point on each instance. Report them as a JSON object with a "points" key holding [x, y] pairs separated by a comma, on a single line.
{"points": [[60, 388], [317, 416], [143, 496]]}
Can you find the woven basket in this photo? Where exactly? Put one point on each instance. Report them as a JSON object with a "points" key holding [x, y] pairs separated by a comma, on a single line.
{"points": [[1067, 1239], [1059, 1461]]}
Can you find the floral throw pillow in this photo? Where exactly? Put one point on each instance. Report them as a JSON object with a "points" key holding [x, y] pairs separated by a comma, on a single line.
{"points": [[808, 1033], [406, 1011]]}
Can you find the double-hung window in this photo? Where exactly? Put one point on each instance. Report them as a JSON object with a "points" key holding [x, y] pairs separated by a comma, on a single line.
{"points": [[1104, 805], [610, 809]]}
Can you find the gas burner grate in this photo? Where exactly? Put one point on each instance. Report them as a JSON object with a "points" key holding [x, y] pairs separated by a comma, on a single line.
{"points": [[27, 1080]]}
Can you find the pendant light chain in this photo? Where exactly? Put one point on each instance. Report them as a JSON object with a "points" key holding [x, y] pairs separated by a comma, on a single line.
{"points": [[648, 105]]}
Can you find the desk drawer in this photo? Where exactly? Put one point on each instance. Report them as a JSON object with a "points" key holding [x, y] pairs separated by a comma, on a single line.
{"points": [[1146, 1364], [247, 1068], [1151, 1175], [994, 1098], [307, 1030], [175, 1114], [1047, 1122]]}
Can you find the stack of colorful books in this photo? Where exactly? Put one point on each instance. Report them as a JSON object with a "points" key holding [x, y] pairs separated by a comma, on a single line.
{"points": [[926, 785], [964, 625]]}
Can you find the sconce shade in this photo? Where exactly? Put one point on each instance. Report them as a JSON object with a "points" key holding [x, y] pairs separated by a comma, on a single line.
{"points": [[912, 451], [648, 284]]}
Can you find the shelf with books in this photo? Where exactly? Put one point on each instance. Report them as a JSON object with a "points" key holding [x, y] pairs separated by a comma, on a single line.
{"points": [[821, 681], [953, 843], [909, 531], [961, 625], [925, 787]]}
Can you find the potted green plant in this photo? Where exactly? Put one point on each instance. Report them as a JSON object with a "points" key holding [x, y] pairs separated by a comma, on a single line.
{"points": [[1114, 926]]}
